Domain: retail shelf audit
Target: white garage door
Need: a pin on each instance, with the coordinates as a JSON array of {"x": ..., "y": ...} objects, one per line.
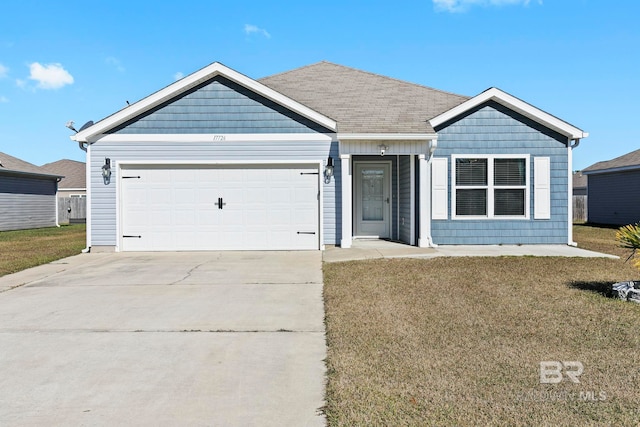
[{"x": 240, "y": 207}]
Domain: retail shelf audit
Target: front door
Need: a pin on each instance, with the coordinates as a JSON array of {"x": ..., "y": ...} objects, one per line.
[{"x": 372, "y": 199}]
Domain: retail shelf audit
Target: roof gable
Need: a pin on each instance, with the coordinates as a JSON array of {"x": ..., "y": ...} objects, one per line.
[
  {"x": 515, "y": 104},
  {"x": 74, "y": 173},
  {"x": 363, "y": 102},
  {"x": 187, "y": 84},
  {"x": 218, "y": 106}
]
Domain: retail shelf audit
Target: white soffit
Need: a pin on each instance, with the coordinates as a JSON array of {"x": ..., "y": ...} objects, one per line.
[
  {"x": 189, "y": 82},
  {"x": 515, "y": 104}
]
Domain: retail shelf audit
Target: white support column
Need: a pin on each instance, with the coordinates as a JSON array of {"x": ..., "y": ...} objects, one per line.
[
  {"x": 570, "y": 148},
  {"x": 347, "y": 201},
  {"x": 424, "y": 218}
]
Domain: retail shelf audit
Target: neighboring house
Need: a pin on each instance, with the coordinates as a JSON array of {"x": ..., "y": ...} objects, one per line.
[
  {"x": 72, "y": 190},
  {"x": 322, "y": 155},
  {"x": 27, "y": 195},
  {"x": 74, "y": 183},
  {"x": 579, "y": 184},
  {"x": 613, "y": 190}
]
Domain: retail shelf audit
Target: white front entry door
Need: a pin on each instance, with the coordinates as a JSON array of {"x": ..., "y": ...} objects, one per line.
[
  {"x": 236, "y": 207},
  {"x": 372, "y": 199}
]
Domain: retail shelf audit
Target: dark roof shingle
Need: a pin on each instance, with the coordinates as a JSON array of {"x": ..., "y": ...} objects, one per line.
[
  {"x": 74, "y": 173},
  {"x": 628, "y": 160},
  {"x": 363, "y": 102},
  {"x": 13, "y": 164}
]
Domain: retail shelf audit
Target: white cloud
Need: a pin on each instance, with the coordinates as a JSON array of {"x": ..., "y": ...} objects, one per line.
[
  {"x": 177, "y": 76},
  {"x": 4, "y": 71},
  {"x": 464, "y": 5},
  {"x": 114, "y": 62},
  {"x": 50, "y": 76},
  {"x": 252, "y": 29},
  {"x": 3, "y": 99}
]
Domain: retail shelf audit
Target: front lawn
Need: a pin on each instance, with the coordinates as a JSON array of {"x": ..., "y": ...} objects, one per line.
[
  {"x": 23, "y": 249},
  {"x": 459, "y": 341}
]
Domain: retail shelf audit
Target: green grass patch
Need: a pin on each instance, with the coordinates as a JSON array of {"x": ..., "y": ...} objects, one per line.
[
  {"x": 24, "y": 249},
  {"x": 458, "y": 341}
]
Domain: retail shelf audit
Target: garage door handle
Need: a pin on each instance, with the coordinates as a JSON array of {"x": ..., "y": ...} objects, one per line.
[
  {"x": 220, "y": 203},
  {"x": 306, "y": 232},
  {"x": 131, "y": 236}
]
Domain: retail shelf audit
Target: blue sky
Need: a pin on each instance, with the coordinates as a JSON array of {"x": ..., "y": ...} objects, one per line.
[{"x": 79, "y": 60}]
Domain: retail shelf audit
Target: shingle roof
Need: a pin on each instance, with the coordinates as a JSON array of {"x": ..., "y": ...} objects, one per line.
[
  {"x": 630, "y": 160},
  {"x": 579, "y": 180},
  {"x": 74, "y": 173},
  {"x": 363, "y": 102},
  {"x": 13, "y": 164}
]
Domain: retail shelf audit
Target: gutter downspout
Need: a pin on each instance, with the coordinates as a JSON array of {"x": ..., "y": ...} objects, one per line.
[{"x": 570, "y": 148}]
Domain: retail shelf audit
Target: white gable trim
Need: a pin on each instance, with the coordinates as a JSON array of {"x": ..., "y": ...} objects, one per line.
[
  {"x": 388, "y": 136},
  {"x": 515, "y": 104},
  {"x": 190, "y": 82}
]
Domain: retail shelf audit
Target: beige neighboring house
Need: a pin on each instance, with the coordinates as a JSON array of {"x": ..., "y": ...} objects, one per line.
[{"x": 74, "y": 183}]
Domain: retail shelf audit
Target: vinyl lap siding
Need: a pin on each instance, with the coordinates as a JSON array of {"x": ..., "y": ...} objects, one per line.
[
  {"x": 103, "y": 197},
  {"x": 27, "y": 203},
  {"x": 493, "y": 129},
  {"x": 613, "y": 198},
  {"x": 219, "y": 106}
]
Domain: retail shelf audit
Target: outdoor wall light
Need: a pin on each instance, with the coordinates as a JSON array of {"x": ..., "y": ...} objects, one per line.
[
  {"x": 328, "y": 170},
  {"x": 383, "y": 149},
  {"x": 106, "y": 171}
]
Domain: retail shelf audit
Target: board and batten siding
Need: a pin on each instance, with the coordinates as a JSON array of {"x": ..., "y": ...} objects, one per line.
[
  {"x": 492, "y": 129},
  {"x": 103, "y": 197},
  {"x": 613, "y": 198},
  {"x": 404, "y": 199},
  {"x": 27, "y": 203},
  {"x": 218, "y": 106}
]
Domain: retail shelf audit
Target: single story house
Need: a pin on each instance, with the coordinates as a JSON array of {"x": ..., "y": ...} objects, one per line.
[
  {"x": 72, "y": 190},
  {"x": 27, "y": 195},
  {"x": 579, "y": 184},
  {"x": 322, "y": 155},
  {"x": 74, "y": 183},
  {"x": 612, "y": 189}
]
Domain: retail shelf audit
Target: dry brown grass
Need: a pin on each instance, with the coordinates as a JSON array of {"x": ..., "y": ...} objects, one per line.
[
  {"x": 27, "y": 248},
  {"x": 458, "y": 341}
]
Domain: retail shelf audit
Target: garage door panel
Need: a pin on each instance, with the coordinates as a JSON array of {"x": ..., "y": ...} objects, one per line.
[{"x": 176, "y": 208}]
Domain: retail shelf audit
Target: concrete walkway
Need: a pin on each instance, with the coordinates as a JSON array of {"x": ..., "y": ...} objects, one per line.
[
  {"x": 372, "y": 249},
  {"x": 218, "y": 338}
]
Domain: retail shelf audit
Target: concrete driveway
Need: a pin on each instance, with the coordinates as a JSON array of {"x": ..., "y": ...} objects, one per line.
[{"x": 222, "y": 338}]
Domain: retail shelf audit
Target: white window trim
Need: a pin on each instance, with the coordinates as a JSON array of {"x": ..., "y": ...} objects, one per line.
[{"x": 490, "y": 187}]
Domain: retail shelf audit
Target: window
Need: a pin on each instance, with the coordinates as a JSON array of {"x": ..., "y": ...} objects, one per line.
[{"x": 491, "y": 186}]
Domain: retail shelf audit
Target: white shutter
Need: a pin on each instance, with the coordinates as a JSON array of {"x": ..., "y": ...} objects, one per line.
[
  {"x": 542, "y": 188},
  {"x": 439, "y": 188}
]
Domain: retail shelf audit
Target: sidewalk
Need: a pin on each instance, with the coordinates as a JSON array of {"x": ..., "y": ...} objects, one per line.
[{"x": 372, "y": 249}]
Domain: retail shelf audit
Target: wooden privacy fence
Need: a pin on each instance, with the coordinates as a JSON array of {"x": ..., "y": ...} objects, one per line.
[
  {"x": 72, "y": 210},
  {"x": 580, "y": 209}
]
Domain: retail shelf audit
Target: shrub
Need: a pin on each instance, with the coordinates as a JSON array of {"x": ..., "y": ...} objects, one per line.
[{"x": 629, "y": 237}]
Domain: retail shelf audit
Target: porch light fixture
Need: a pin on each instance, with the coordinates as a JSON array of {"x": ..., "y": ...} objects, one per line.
[
  {"x": 328, "y": 170},
  {"x": 383, "y": 149},
  {"x": 106, "y": 171}
]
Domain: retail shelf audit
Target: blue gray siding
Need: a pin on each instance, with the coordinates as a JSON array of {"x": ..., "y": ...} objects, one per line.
[
  {"x": 613, "y": 198},
  {"x": 404, "y": 191},
  {"x": 494, "y": 129},
  {"x": 27, "y": 203},
  {"x": 219, "y": 106},
  {"x": 103, "y": 197}
]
